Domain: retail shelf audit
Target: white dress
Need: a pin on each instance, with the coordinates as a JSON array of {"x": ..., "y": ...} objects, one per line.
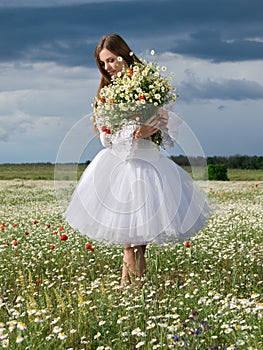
[{"x": 133, "y": 194}]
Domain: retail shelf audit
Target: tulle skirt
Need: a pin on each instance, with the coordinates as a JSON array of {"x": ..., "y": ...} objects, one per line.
[{"x": 135, "y": 200}]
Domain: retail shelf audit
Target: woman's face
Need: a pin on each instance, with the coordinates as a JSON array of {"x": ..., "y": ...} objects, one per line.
[{"x": 110, "y": 62}]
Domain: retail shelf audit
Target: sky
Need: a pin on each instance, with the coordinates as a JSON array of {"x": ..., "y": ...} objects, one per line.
[{"x": 48, "y": 76}]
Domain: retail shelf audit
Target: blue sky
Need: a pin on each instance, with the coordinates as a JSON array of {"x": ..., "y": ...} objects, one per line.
[{"x": 48, "y": 76}]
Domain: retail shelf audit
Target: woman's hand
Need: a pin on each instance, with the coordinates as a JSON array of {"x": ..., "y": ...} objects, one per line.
[
  {"x": 163, "y": 119},
  {"x": 152, "y": 125},
  {"x": 147, "y": 129}
]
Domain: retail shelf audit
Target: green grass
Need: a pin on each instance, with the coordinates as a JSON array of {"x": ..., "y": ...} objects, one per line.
[
  {"x": 38, "y": 171},
  {"x": 245, "y": 175},
  {"x": 208, "y": 296},
  {"x": 45, "y": 171}
]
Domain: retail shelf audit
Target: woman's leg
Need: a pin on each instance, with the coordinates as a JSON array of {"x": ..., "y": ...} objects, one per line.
[{"x": 134, "y": 264}]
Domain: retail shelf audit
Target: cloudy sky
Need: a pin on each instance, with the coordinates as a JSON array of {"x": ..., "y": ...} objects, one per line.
[{"x": 48, "y": 76}]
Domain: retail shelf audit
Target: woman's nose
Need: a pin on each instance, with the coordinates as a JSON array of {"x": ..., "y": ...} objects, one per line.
[{"x": 106, "y": 66}]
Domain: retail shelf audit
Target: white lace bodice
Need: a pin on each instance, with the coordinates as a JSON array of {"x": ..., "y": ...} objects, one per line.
[{"x": 124, "y": 137}]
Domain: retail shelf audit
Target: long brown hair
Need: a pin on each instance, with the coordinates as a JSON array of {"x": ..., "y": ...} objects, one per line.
[{"x": 117, "y": 45}]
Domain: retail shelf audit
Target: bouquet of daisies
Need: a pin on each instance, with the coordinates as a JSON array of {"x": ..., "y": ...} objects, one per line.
[{"x": 132, "y": 97}]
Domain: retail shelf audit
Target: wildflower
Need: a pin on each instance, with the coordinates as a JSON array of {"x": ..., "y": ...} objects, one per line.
[
  {"x": 152, "y": 52},
  {"x": 62, "y": 336},
  {"x": 57, "y": 329},
  {"x": 120, "y": 59},
  {"x": 228, "y": 330},
  {"x": 21, "y": 325},
  {"x": 131, "y": 53},
  {"x": 187, "y": 244},
  {"x": 26, "y": 233},
  {"x": 15, "y": 243},
  {"x": 89, "y": 247},
  {"x": 5, "y": 343},
  {"x": 255, "y": 295},
  {"x": 19, "y": 339},
  {"x": 136, "y": 331},
  {"x": 105, "y": 129},
  {"x": 141, "y": 343},
  {"x": 96, "y": 336},
  {"x": 55, "y": 320},
  {"x": 52, "y": 247},
  {"x": 35, "y": 222},
  {"x": 64, "y": 237},
  {"x": 240, "y": 342}
]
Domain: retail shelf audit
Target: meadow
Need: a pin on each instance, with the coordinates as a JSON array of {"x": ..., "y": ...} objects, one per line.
[
  {"x": 60, "y": 291},
  {"x": 45, "y": 171}
]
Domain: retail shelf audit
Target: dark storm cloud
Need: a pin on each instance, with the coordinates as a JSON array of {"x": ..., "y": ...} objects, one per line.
[
  {"x": 227, "y": 89},
  {"x": 210, "y": 44},
  {"x": 215, "y": 30}
]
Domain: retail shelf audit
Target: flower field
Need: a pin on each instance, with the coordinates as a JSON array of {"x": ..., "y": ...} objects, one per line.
[{"x": 60, "y": 291}]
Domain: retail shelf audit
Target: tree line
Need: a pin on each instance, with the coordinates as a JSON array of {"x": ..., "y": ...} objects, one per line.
[{"x": 231, "y": 162}]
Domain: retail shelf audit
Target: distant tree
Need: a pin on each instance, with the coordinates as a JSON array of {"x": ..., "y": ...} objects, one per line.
[{"x": 217, "y": 172}]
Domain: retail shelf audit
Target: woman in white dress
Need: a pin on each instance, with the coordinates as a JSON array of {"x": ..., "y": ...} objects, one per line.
[{"x": 131, "y": 194}]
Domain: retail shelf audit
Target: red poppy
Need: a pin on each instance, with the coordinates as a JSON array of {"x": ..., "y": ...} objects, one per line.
[
  {"x": 15, "y": 243},
  {"x": 14, "y": 225},
  {"x": 35, "y": 222},
  {"x": 38, "y": 280},
  {"x": 64, "y": 237},
  {"x": 103, "y": 100},
  {"x": 6, "y": 243},
  {"x": 105, "y": 129},
  {"x": 52, "y": 246},
  {"x": 55, "y": 232},
  {"x": 2, "y": 228},
  {"x": 130, "y": 72},
  {"x": 142, "y": 98},
  {"x": 26, "y": 233},
  {"x": 61, "y": 228},
  {"x": 89, "y": 247},
  {"x": 187, "y": 244},
  {"x": 48, "y": 225}
]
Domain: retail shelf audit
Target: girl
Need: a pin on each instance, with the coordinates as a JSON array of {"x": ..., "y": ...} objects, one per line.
[{"x": 131, "y": 194}]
